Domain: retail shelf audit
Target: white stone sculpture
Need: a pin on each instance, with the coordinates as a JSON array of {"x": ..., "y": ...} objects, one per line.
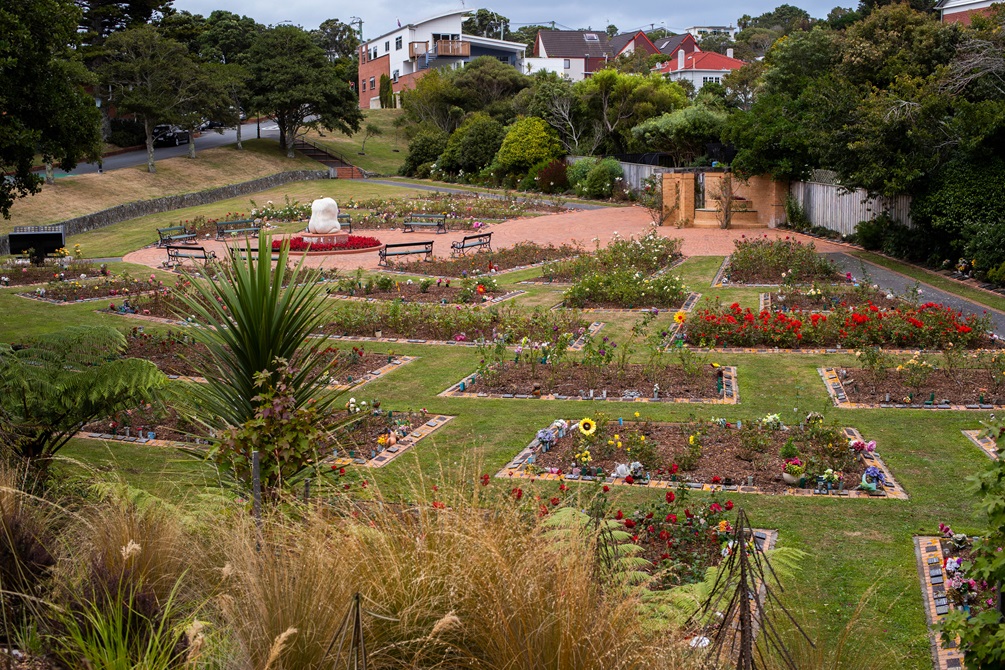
[{"x": 324, "y": 217}]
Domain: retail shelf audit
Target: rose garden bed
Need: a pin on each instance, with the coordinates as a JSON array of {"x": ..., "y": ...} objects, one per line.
[
  {"x": 520, "y": 256},
  {"x": 80, "y": 290},
  {"x": 574, "y": 380},
  {"x": 22, "y": 273},
  {"x": 750, "y": 457},
  {"x": 427, "y": 290},
  {"x": 828, "y": 297},
  {"x": 764, "y": 261}
]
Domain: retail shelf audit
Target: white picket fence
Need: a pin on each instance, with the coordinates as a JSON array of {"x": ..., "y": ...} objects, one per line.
[{"x": 832, "y": 207}]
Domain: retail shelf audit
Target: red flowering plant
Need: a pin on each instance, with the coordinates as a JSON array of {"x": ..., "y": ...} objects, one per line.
[
  {"x": 928, "y": 326},
  {"x": 680, "y": 536},
  {"x": 354, "y": 242}
]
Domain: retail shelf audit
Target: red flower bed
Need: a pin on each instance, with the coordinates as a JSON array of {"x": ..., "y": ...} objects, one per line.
[
  {"x": 928, "y": 326},
  {"x": 354, "y": 242}
]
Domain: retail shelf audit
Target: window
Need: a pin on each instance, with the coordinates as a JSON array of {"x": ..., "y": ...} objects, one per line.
[
  {"x": 710, "y": 80},
  {"x": 373, "y": 83},
  {"x": 397, "y": 43},
  {"x": 394, "y": 76},
  {"x": 363, "y": 85},
  {"x": 387, "y": 47},
  {"x": 373, "y": 55},
  {"x": 567, "y": 63},
  {"x": 591, "y": 37}
]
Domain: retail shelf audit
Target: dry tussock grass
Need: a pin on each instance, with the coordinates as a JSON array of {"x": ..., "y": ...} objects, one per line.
[{"x": 83, "y": 194}]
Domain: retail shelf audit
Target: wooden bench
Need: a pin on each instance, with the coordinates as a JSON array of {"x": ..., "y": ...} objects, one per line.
[
  {"x": 174, "y": 234},
  {"x": 177, "y": 254},
  {"x": 406, "y": 249},
  {"x": 242, "y": 253},
  {"x": 232, "y": 228},
  {"x": 413, "y": 221},
  {"x": 345, "y": 220},
  {"x": 471, "y": 242}
]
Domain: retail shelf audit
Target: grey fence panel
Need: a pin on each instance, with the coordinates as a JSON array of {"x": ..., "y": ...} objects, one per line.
[
  {"x": 635, "y": 173},
  {"x": 832, "y": 207}
]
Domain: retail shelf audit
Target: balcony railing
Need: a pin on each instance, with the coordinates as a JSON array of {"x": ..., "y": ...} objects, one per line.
[
  {"x": 417, "y": 49},
  {"x": 457, "y": 48}
]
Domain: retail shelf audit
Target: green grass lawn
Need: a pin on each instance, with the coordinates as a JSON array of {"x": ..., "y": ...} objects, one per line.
[
  {"x": 852, "y": 545},
  {"x": 385, "y": 152}
]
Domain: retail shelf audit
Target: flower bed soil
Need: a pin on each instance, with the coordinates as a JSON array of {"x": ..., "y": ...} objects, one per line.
[
  {"x": 764, "y": 261},
  {"x": 24, "y": 275},
  {"x": 723, "y": 455},
  {"x": 410, "y": 292},
  {"x": 519, "y": 255},
  {"x": 656, "y": 304},
  {"x": 832, "y": 298},
  {"x": 107, "y": 287},
  {"x": 569, "y": 378},
  {"x": 963, "y": 387}
]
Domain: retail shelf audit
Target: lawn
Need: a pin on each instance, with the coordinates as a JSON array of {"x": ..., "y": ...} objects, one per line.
[
  {"x": 385, "y": 152},
  {"x": 853, "y": 545},
  {"x": 83, "y": 194}
]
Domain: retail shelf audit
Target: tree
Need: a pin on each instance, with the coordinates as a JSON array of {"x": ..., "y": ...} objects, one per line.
[
  {"x": 683, "y": 133},
  {"x": 486, "y": 81},
  {"x": 371, "y": 130},
  {"x": 100, "y": 19},
  {"x": 386, "y": 92},
  {"x": 611, "y": 30},
  {"x": 150, "y": 76},
  {"x": 555, "y": 100},
  {"x": 840, "y": 18},
  {"x": 253, "y": 324},
  {"x": 339, "y": 40},
  {"x": 742, "y": 85},
  {"x": 183, "y": 27},
  {"x": 226, "y": 40},
  {"x": 526, "y": 34},
  {"x": 528, "y": 141},
  {"x": 486, "y": 24},
  {"x": 65, "y": 379},
  {"x": 293, "y": 82},
  {"x": 434, "y": 101},
  {"x": 473, "y": 145},
  {"x": 44, "y": 107},
  {"x": 717, "y": 43},
  {"x": 619, "y": 101},
  {"x": 214, "y": 88}
]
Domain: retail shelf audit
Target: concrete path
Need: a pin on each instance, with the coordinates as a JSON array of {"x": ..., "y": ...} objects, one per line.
[{"x": 901, "y": 285}]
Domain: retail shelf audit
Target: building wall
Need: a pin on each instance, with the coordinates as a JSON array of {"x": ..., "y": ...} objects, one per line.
[
  {"x": 765, "y": 196},
  {"x": 964, "y": 17},
  {"x": 371, "y": 68}
]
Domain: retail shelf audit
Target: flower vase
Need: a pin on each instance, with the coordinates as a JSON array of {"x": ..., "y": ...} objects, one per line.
[
  {"x": 378, "y": 333},
  {"x": 392, "y": 440},
  {"x": 791, "y": 480}
]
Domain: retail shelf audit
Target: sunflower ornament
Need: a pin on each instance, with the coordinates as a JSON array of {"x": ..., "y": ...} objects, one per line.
[{"x": 587, "y": 427}]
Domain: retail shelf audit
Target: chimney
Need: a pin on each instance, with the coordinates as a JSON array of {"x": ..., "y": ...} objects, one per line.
[
  {"x": 729, "y": 52},
  {"x": 680, "y": 59}
]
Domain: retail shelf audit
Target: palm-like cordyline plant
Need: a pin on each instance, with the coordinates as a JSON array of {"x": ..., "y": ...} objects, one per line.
[{"x": 250, "y": 323}]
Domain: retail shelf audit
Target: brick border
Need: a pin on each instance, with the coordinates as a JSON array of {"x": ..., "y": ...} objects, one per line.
[
  {"x": 984, "y": 443},
  {"x": 838, "y": 395},
  {"x": 730, "y": 391},
  {"x": 929, "y": 560},
  {"x": 592, "y": 329},
  {"x": 517, "y": 268},
  {"x": 385, "y": 455},
  {"x": 515, "y": 469}
]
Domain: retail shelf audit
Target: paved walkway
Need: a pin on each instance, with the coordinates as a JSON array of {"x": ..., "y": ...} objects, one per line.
[{"x": 587, "y": 227}]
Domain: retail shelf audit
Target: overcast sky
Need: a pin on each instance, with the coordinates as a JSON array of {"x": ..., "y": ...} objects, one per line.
[{"x": 380, "y": 16}]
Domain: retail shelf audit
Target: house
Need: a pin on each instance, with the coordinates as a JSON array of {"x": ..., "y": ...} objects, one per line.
[
  {"x": 671, "y": 45},
  {"x": 626, "y": 44},
  {"x": 699, "y": 67},
  {"x": 704, "y": 31},
  {"x": 960, "y": 11},
  {"x": 408, "y": 52},
  {"x": 574, "y": 54}
]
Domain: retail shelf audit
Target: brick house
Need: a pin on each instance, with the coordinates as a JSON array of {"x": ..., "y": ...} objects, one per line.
[
  {"x": 960, "y": 11},
  {"x": 408, "y": 52}
]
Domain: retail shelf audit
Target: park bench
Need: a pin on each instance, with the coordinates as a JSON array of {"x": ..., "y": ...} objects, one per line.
[
  {"x": 233, "y": 228},
  {"x": 345, "y": 220},
  {"x": 406, "y": 249},
  {"x": 241, "y": 253},
  {"x": 36, "y": 241},
  {"x": 413, "y": 221},
  {"x": 471, "y": 242},
  {"x": 176, "y": 255},
  {"x": 174, "y": 234}
]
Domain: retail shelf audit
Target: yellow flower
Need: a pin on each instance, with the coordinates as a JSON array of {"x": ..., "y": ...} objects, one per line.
[
  {"x": 617, "y": 437},
  {"x": 680, "y": 316},
  {"x": 637, "y": 415},
  {"x": 619, "y": 445},
  {"x": 587, "y": 427},
  {"x": 610, "y": 442},
  {"x": 723, "y": 526},
  {"x": 642, "y": 438}
]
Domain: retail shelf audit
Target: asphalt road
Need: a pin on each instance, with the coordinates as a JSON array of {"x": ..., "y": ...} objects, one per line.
[{"x": 208, "y": 140}]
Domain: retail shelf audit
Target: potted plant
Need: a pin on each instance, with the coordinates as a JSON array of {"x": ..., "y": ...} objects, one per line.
[{"x": 793, "y": 471}]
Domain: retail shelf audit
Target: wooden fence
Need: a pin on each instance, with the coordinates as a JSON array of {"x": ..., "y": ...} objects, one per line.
[{"x": 830, "y": 206}]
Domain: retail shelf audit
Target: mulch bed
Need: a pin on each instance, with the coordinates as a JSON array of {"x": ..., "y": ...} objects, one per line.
[
  {"x": 18, "y": 274},
  {"x": 964, "y": 387},
  {"x": 358, "y": 439},
  {"x": 165, "y": 422},
  {"x": 519, "y": 255},
  {"x": 839, "y": 296},
  {"x": 113, "y": 289},
  {"x": 723, "y": 455},
  {"x": 569, "y": 378},
  {"x": 411, "y": 292},
  {"x": 769, "y": 278}
]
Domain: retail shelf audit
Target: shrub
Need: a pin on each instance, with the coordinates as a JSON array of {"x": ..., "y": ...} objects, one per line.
[
  {"x": 425, "y": 147},
  {"x": 473, "y": 145},
  {"x": 765, "y": 260},
  {"x": 602, "y": 180},
  {"x": 795, "y": 216},
  {"x": 870, "y": 234},
  {"x": 528, "y": 141},
  {"x": 126, "y": 133},
  {"x": 577, "y": 171},
  {"x": 891, "y": 237},
  {"x": 553, "y": 177},
  {"x": 987, "y": 251}
]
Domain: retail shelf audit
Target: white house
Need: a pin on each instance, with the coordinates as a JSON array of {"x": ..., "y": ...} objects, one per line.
[
  {"x": 700, "y": 67},
  {"x": 704, "y": 31}
]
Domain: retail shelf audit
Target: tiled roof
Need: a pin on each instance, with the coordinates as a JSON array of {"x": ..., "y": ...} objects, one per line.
[
  {"x": 668, "y": 45},
  {"x": 573, "y": 43},
  {"x": 703, "y": 60}
]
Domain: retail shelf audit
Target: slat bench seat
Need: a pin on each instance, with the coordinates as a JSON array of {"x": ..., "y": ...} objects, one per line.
[
  {"x": 345, "y": 220},
  {"x": 232, "y": 228},
  {"x": 241, "y": 253},
  {"x": 413, "y": 221},
  {"x": 406, "y": 249},
  {"x": 177, "y": 254},
  {"x": 481, "y": 240},
  {"x": 174, "y": 234}
]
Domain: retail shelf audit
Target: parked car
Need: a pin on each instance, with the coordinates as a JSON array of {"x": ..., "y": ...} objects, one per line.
[
  {"x": 165, "y": 136},
  {"x": 212, "y": 125}
]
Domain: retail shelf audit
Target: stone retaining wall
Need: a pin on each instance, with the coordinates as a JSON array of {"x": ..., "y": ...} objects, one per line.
[{"x": 131, "y": 210}]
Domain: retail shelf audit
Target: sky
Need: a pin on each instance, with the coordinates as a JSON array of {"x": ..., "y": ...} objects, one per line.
[{"x": 380, "y": 16}]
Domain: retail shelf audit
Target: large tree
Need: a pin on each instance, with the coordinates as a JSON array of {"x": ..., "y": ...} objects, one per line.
[
  {"x": 45, "y": 110},
  {"x": 294, "y": 82},
  {"x": 150, "y": 76},
  {"x": 100, "y": 19}
]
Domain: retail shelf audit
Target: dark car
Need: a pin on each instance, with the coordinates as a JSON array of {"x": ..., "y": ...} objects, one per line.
[
  {"x": 212, "y": 125},
  {"x": 170, "y": 136}
]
